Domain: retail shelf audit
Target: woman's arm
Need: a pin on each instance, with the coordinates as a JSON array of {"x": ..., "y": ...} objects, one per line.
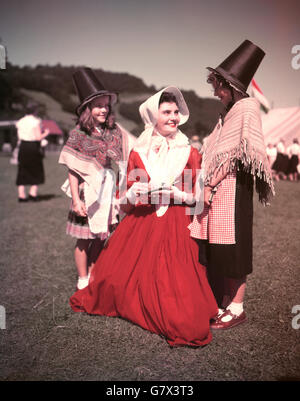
[
  {"x": 41, "y": 133},
  {"x": 134, "y": 188},
  {"x": 44, "y": 133},
  {"x": 78, "y": 206},
  {"x": 217, "y": 177},
  {"x": 220, "y": 174}
]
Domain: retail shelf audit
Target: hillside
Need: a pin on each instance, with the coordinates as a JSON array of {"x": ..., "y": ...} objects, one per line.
[{"x": 52, "y": 88}]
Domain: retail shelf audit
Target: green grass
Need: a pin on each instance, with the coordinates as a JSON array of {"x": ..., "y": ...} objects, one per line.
[{"x": 45, "y": 340}]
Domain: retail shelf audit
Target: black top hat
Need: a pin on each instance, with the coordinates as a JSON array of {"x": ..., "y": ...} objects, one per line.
[
  {"x": 88, "y": 87},
  {"x": 240, "y": 66}
]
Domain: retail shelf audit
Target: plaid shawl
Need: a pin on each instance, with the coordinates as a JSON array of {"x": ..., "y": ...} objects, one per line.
[{"x": 240, "y": 138}]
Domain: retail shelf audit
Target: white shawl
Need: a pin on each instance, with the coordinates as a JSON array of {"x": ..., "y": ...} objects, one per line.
[{"x": 99, "y": 185}]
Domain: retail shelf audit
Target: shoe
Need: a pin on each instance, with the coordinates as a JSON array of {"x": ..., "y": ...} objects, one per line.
[
  {"x": 33, "y": 198},
  {"x": 220, "y": 324},
  {"x": 220, "y": 312},
  {"x": 22, "y": 200}
]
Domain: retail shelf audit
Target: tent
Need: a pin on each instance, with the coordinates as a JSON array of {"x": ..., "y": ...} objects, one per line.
[
  {"x": 281, "y": 123},
  {"x": 52, "y": 127}
]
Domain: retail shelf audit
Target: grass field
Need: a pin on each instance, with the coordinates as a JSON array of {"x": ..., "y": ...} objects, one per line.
[{"x": 45, "y": 340}]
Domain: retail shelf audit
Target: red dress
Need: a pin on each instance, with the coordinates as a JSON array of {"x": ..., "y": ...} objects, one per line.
[{"x": 150, "y": 274}]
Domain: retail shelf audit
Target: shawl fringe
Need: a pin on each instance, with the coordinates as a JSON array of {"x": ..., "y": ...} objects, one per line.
[{"x": 252, "y": 162}]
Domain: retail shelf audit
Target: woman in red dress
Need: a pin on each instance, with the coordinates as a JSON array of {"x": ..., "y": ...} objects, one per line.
[{"x": 149, "y": 273}]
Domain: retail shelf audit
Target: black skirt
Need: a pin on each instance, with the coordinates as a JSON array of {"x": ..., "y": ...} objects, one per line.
[
  {"x": 293, "y": 163},
  {"x": 30, "y": 167},
  {"x": 281, "y": 163},
  {"x": 234, "y": 261}
]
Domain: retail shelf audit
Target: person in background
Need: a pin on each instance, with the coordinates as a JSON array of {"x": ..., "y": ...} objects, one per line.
[
  {"x": 195, "y": 142},
  {"x": 30, "y": 155},
  {"x": 294, "y": 153},
  {"x": 271, "y": 153},
  {"x": 234, "y": 154},
  {"x": 281, "y": 164},
  {"x": 92, "y": 146}
]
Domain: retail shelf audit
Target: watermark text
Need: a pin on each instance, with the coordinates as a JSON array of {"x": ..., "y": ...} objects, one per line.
[
  {"x": 296, "y": 319},
  {"x": 296, "y": 59},
  {"x": 2, "y": 57},
  {"x": 2, "y": 318}
]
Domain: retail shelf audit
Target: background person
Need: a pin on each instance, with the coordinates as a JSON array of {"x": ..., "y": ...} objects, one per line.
[
  {"x": 195, "y": 142},
  {"x": 294, "y": 153},
  {"x": 281, "y": 163},
  {"x": 271, "y": 153},
  {"x": 30, "y": 155}
]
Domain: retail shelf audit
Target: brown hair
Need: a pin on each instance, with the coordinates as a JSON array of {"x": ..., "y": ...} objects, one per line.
[
  {"x": 86, "y": 121},
  {"x": 218, "y": 80}
]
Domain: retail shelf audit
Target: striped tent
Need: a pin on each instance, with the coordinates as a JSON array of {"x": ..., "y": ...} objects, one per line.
[{"x": 281, "y": 123}]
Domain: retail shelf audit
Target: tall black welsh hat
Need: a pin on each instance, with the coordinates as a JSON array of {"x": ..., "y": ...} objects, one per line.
[
  {"x": 240, "y": 66},
  {"x": 88, "y": 87}
]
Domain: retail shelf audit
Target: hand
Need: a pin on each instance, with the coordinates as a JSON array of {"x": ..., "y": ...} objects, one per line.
[
  {"x": 207, "y": 194},
  {"x": 136, "y": 190},
  {"x": 174, "y": 193},
  {"x": 79, "y": 208},
  {"x": 44, "y": 134}
]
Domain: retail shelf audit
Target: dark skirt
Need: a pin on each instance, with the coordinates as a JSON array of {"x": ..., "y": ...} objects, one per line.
[
  {"x": 293, "y": 163},
  {"x": 234, "y": 261},
  {"x": 30, "y": 167},
  {"x": 281, "y": 163}
]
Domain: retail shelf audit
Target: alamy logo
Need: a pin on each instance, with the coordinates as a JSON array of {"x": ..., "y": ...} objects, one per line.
[
  {"x": 296, "y": 59},
  {"x": 296, "y": 319},
  {"x": 2, "y": 57},
  {"x": 2, "y": 318}
]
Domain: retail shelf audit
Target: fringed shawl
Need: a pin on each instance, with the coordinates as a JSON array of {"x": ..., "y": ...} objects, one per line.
[
  {"x": 87, "y": 157},
  {"x": 240, "y": 137}
]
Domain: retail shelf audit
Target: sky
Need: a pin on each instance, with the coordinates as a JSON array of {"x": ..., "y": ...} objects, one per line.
[{"x": 163, "y": 42}]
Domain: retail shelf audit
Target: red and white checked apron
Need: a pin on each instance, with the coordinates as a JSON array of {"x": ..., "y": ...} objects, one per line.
[{"x": 217, "y": 222}]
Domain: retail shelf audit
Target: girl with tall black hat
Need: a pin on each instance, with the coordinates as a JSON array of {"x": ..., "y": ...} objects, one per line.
[
  {"x": 234, "y": 158},
  {"x": 149, "y": 273},
  {"x": 92, "y": 146}
]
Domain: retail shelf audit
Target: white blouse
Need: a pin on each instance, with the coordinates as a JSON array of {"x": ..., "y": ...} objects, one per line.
[
  {"x": 29, "y": 128},
  {"x": 294, "y": 149},
  {"x": 280, "y": 148},
  {"x": 272, "y": 153}
]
